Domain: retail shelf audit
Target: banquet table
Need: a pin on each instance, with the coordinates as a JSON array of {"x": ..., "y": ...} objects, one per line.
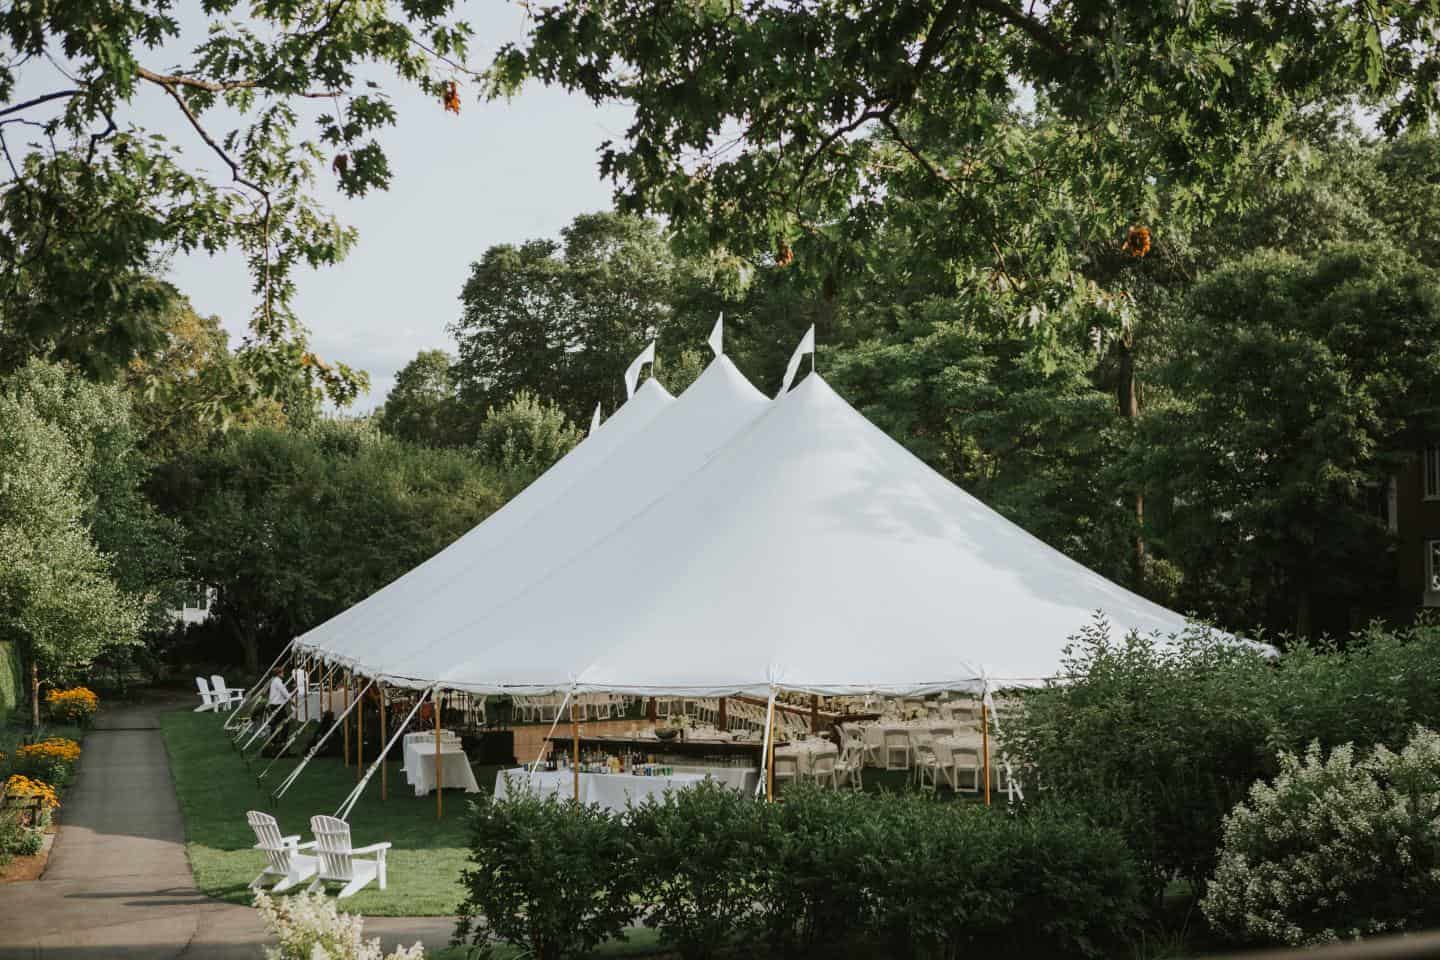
[
  {"x": 945, "y": 747},
  {"x": 409, "y": 757},
  {"x": 805, "y": 751},
  {"x": 454, "y": 767},
  {"x": 612, "y": 791}
]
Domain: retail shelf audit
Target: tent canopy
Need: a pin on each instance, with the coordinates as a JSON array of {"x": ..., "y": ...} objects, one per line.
[{"x": 735, "y": 544}]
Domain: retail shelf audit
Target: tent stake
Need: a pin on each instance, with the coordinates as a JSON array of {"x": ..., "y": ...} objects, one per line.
[
  {"x": 439, "y": 785},
  {"x": 383, "y": 783},
  {"x": 985, "y": 742}
]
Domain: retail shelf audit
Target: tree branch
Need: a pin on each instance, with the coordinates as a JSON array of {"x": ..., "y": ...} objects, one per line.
[
  {"x": 1034, "y": 29},
  {"x": 57, "y": 95},
  {"x": 177, "y": 80},
  {"x": 170, "y": 87}
]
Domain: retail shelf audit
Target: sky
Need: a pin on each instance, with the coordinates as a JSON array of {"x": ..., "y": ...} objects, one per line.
[{"x": 498, "y": 173}]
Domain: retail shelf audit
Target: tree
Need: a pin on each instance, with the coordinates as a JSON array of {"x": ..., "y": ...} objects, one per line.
[
  {"x": 759, "y": 123},
  {"x": 94, "y": 204},
  {"x": 291, "y": 526},
  {"x": 69, "y": 507},
  {"x": 423, "y": 407},
  {"x": 1297, "y": 386},
  {"x": 525, "y": 437},
  {"x": 564, "y": 320}
]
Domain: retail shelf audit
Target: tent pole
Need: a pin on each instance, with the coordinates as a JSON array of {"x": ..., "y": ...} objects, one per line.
[
  {"x": 770, "y": 751},
  {"x": 344, "y": 812},
  {"x": 383, "y": 783},
  {"x": 439, "y": 786},
  {"x": 314, "y": 749},
  {"x": 575, "y": 753},
  {"x": 360, "y": 740},
  {"x": 814, "y": 713},
  {"x": 985, "y": 742},
  {"x": 345, "y": 733}
]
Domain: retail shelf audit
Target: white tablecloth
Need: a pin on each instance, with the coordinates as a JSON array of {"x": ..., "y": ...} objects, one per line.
[
  {"x": 454, "y": 768},
  {"x": 805, "y": 751},
  {"x": 408, "y": 754},
  {"x": 312, "y": 706},
  {"x": 613, "y": 791},
  {"x": 736, "y": 778}
]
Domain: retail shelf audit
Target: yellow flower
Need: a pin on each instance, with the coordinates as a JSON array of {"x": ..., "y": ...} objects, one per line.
[
  {"x": 22, "y": 786},
  {"x": 54, "y": 748}
]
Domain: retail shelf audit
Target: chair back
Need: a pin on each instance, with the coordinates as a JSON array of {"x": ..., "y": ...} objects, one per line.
[
  {"x": 205, "y": 693},
  {"x": 267, "y": 837},
  {"x": 787, "y": 767},
  {"x": 897, "y": 740},
  {"x": 823, "y": 765},
  {"x": 937, "y": 732},
  {"x": 332, "y": 843},
  {"x": 217, "y": 683}
]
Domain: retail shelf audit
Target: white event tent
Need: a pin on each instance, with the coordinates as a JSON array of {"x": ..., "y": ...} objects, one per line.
[{"x": 726, "y": 543}]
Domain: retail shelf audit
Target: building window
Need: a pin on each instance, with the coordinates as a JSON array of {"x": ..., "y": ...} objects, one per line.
[{"x": 1432, "y": 472}]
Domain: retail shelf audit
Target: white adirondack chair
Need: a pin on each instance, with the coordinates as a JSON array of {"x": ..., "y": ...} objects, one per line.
[
  {"x": 283, "y": 858},
  {"x": 226, "y": 697},
  {"x": 342, "y": 863},
  {"x": 207, "y": 699}
]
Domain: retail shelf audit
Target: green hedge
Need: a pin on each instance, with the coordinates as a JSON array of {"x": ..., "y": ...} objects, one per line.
[
  {"x": 824, "y": 874},
  {"x": 12, "y": 679}
]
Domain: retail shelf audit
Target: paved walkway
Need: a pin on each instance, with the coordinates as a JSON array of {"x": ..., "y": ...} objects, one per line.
[{"x": 119, "y": 885}]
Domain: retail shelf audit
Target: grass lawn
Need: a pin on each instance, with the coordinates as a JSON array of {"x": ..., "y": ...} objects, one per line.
[{"x": 216, "y": 788}]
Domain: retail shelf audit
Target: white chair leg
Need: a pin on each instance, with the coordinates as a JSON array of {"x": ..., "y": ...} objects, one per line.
[
  {"x": 316, "y": 884},
  {"x": 381, "y": 863},
  {"x": 353, "y": 887}
]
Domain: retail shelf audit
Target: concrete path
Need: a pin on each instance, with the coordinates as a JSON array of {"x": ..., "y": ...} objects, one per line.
[{"x": 119, "y": 885}]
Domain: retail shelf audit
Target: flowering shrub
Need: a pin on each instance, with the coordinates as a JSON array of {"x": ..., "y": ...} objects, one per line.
[
  {"x": 310, "y": 928},
  {"x": 76, "y": 705},
  {"x": 25, "y": 789},
  {"x": 51, "y": 760},
  {"x": 1335, "y": 847}
]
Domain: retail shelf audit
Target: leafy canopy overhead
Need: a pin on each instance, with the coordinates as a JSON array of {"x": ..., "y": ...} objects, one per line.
[
  {"x": 91, "y": 205},
  {"x": 758, "y": 122}
]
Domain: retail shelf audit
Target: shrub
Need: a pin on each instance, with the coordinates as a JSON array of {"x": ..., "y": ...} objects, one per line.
[
  {"x": 526, "y": 435},
  {"x": 51, "y": 760},
  {"x": 828, "y": 853},
  {"x": 548, "y": 875},
  {"x": 700, "y": 853},
  {"x": 309, "y": 927},
  {"x": 1157, "y": 741},
  {"x": 75, "y": 706},
  {"x": 22, "y": 787},
  {"x": 1334, "y": 848}
]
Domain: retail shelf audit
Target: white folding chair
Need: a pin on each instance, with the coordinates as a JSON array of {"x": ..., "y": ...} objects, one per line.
[
  {"x": 965, "y": 760},
  {"x": 822, "y": 770},
  {"x": 928, "y": 768},
  {"x": 283, "y": 858},
  {"x": 850, "y": 768},
  {"x": 226, "y": 697},
  {"x": 787, "y": 770},
  {"x": 207, "y": 699},
  {"x": 342, "y": 863},
  {"x": 896, "y": 752}
]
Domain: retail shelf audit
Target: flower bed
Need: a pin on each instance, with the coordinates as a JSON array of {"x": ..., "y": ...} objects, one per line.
[{"x": 76, "y": 705}]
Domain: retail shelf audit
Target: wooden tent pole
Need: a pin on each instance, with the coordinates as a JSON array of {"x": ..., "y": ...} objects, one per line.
[
  {"x": 345, "y": 746},
  {"x": 383, "y": 739},
  {"x": 575, "y": 752},
  {"x": 770, "y": 753},
  {"x": 814, "y": 713},
  {"x": 439, "y": 785},
  {"x": 359, "y": 739},
  {"x": 985, "y": 745}
]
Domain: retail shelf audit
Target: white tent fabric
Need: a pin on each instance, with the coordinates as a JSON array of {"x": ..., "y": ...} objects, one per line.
[
  {"x": 385, "y": 608},
  {"x": 812, "y": 552},
  {"x": 443, "y": 629}
]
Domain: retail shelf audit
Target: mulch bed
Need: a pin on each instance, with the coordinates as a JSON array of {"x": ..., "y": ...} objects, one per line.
[{"x": 29, "y": 868}]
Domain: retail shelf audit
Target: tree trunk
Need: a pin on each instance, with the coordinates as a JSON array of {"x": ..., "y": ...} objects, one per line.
[
  {"x": 249, "y": 648},
  {"x": 34, "y": 695},
  {"x": 1129, "y": 400}
]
